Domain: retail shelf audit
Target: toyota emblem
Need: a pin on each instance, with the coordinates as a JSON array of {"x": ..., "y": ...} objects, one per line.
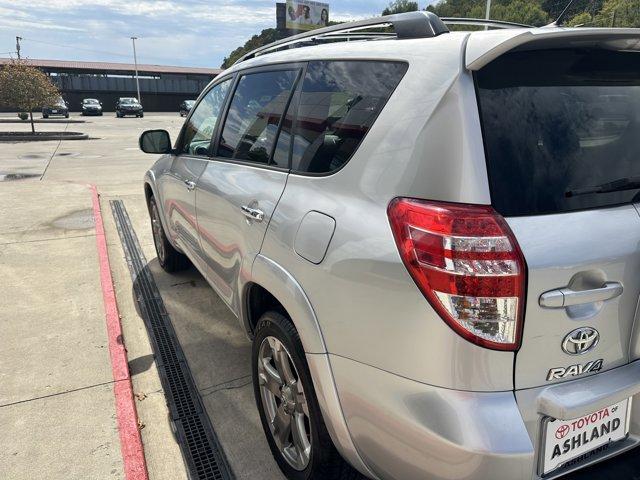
[
  {"x": 562, "y": 431},
  {"x": 580, "y": 341}
]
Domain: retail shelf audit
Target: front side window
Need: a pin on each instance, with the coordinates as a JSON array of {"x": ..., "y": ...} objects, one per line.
[
  {"x": 198, "y": 132},
  {"x": 561, "y": 129},
  {"x": 339, "y": 102},
  {"x": 254, "y": 115}
]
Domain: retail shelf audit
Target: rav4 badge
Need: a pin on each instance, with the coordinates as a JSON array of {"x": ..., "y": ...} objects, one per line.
[{"x": 575, "y": 370}]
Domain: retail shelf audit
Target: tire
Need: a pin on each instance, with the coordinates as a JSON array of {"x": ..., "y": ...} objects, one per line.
[
  {"x": 45, "y": 116},
  {"x": 169, "y": 258},
  {"x": 141, "y": 115},
  {"x": 276, "y": 333},
  {"x": 66, "y": 116}
]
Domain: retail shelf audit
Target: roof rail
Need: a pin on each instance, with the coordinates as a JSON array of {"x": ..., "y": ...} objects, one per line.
[
  {"x": 483, "y": 22},
  {"x": 420, "y": 24}
]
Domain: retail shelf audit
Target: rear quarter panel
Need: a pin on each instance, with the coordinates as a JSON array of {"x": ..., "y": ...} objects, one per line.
[{"x": 426, "y": 143}]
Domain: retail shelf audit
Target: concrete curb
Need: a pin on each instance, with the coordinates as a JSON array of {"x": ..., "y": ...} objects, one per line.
[
  {"x": 46, "y": 136},
  {"x": 41, "y": 120},
  {"x": 135, "y": 466}
]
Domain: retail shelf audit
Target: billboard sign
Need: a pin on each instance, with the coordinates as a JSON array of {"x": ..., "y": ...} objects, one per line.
[{"x": 307, "y": 14}]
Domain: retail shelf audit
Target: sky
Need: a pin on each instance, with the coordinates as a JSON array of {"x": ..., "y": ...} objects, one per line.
[{"x": 171, "y": 32}]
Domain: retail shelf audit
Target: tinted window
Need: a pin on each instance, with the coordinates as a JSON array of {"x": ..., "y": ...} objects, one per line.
[
  {"x": 338, "y": 105},
  {"x": 558, "y": 123},
  {"x": 199, "y": 129},
  {"x": 254, "y": 115}
]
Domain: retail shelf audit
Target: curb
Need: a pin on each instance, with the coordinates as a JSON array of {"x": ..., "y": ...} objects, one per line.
[
  {"x": 135, "y": 466},
  {"x": 41, "y": 138},
  {"x": 40, "y": 120}
]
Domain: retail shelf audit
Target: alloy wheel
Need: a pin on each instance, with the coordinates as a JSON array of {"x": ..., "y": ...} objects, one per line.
[{"x": 284, "y": 402}]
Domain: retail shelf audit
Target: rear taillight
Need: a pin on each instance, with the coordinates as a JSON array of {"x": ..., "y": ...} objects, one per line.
[{"x": 467, "y": 263}]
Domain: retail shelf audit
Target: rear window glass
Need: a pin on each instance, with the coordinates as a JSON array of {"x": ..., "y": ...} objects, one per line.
[
  {"x": 559, "y": 126},
  {"x": 339, "y": 102}
]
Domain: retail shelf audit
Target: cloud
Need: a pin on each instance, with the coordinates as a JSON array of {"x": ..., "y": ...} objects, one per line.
[{"x": 174, "y": 32}]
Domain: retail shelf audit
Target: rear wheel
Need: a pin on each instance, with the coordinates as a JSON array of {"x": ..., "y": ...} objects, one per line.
[
  {"x": 169, "y": 258},
  {"x": 288, "y": 406}
]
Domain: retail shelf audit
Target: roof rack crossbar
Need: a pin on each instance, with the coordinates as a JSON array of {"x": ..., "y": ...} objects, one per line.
[
  {"x": 420, "y": 24},
  {"x": 483, "y": 22}
]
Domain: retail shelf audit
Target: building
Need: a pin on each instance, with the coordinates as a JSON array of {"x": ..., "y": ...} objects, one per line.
[{"x": 162, "y": 88}]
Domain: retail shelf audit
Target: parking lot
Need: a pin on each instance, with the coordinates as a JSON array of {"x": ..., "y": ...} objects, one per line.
[{"x": 58, "y": 413}]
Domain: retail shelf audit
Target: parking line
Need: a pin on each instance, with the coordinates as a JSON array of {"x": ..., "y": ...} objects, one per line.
[{"x": 135, "y": 467}]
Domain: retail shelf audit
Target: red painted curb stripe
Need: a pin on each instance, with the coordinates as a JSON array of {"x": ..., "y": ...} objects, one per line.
[{"x": 135, "y": 466}]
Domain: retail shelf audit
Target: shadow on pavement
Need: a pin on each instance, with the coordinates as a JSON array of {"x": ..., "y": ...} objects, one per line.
[{"x": 218, "y": 355}]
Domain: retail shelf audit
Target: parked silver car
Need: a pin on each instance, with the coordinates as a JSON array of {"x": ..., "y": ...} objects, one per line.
[{"x": 433, "y": 240}]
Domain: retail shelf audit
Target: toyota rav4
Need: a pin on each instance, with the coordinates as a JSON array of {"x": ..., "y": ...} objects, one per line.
[{"x": 432, "y": 239}]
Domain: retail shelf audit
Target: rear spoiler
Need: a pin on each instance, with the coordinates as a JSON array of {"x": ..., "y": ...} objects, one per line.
[{"x": 486, "y": 47}]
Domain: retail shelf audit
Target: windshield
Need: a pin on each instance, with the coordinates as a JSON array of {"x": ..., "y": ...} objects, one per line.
[
  {"x": 90, "y": 101},
  {"x": 128, "y": 101},
  {"x": 559, "y": 121}
]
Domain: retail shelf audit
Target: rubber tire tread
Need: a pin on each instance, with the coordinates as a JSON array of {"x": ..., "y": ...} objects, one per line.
[{"x": 174, "y": 260}]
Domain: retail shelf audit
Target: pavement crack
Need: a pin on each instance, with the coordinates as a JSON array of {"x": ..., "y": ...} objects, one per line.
[
  {"x": 227, "y": 385},
  {"x": 88, "y": 387},
  {"x": 66, "y": 126},
  {"x": 48, "y": 239}
]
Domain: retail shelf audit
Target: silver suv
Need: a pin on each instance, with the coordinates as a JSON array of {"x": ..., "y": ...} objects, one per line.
[{"x": 430, "y": 238}]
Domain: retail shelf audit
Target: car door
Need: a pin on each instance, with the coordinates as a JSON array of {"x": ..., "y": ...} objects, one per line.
[
  {"x": 178, "y": 184},
  {"x": 242, "y": 183},
  {"x": 561, "y": 132}
]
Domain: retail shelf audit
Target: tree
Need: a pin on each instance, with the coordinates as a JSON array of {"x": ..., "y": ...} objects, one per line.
[
  {"x": 528, "y": 12},
  {"x": 618, "y": 13},
  {"x": 400, "y": 6},
  {"x": 555, "y": 7},
  {"x": 581, "y": 19},
  {"x": 26, "y": 88},
  {"x": 267, "y": 36}
]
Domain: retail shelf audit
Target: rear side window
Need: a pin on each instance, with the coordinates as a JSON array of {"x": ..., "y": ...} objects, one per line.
[
  {"x": 339, "y": 102},
  {"x": 254, "y": 115},
  {"x": 559, "y": 127}
]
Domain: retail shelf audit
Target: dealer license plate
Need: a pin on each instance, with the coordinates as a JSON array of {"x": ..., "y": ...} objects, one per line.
[{"x": 577, "y": 439}]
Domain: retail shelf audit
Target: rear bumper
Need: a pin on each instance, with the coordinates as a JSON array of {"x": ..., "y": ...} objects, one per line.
[
  {"x": 59, "y": 111},
  {"x": 130, "y": 112},
  {"x": 578, "y": 398},
  {"x": 407, "y": 430}
]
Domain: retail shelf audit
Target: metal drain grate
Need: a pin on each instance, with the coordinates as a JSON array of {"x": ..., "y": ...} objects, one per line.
[{"x": 200, "y": 447}]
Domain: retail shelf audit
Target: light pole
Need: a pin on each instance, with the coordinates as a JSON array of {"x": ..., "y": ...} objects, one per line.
[
  {"x": 135, "y": 61},
  {"x": 18, "y": 46},
  {"x": 487, "y": 14}
]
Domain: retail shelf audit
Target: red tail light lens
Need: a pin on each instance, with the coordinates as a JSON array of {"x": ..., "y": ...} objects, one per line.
[{"x": 467, "y": 263}]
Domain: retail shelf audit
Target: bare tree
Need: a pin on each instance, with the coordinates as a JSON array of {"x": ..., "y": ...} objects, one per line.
[{"x": 26, "y": 88}]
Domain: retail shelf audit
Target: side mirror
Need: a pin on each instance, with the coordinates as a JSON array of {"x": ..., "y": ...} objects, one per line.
[{"x": 155, "y": 141}]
